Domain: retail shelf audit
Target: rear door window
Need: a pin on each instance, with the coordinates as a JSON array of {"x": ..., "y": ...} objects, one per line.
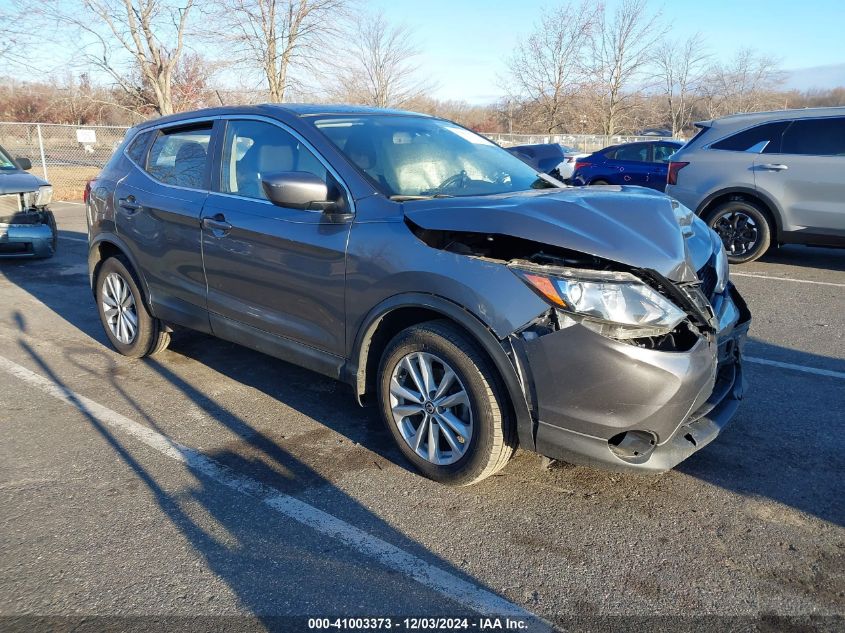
[
  {"x": 766, "y": 136},
  {"x": 815, "y": 137},
  {"x": 636, "y": 153},
  {"x": 662, "y": 152},
  {"x": 180, "y": 157}
]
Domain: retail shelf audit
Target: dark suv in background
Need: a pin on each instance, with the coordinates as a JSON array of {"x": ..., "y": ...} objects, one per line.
[
  {"x": 766, "y": 178},
  {"x": 478, "y": 304}
]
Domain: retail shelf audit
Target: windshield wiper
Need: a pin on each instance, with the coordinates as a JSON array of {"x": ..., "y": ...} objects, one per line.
[
  {"x": 551, "y": 181},
  {"x": 409, "y": 198}
]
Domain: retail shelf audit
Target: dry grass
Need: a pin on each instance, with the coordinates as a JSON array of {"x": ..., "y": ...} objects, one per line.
[{"x": 68, "y": 181}]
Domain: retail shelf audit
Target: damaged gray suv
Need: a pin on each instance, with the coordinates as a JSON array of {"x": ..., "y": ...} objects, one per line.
[{"x": 481, "y": 305}]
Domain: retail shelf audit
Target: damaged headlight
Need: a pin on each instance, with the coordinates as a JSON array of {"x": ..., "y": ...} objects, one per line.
[
  {"x": 614, "y": 304},
  {"x": 40, "y": 198}
]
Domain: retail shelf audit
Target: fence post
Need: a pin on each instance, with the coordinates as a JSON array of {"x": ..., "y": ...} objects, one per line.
[{"x": 41, "y": 149}]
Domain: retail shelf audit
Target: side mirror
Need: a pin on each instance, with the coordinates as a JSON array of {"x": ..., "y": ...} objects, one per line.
[
  {"x": 297, "y": 190},
  {"x": 24, "y": 163}
]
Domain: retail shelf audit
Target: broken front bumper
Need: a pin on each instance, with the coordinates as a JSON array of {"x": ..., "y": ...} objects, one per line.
[
  {"x": 588, "y": 391},
  {"x": 26, "y": 240}
]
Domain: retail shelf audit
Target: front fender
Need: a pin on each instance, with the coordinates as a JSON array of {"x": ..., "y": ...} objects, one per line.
[{"x": 500, "y": 352}]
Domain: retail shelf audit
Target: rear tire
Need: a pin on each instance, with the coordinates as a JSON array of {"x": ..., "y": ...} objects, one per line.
[
  {"x": 599, "y": 182},
  {"x": 469, "y": 422},
  {"x": 744, "y": 228},
  {"x": 128, "y": 324}
]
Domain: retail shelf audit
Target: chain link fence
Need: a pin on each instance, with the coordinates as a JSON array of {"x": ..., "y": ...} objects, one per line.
[
  {"x": 586, "y": 143},
  {"x": 68, "y": 156}
]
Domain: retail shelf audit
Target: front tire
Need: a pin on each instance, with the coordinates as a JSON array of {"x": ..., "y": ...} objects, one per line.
[
  {"x": 131, "y": 329},
  {"x": 744, "y": 229},
  {"x": 442, "y": 401}
]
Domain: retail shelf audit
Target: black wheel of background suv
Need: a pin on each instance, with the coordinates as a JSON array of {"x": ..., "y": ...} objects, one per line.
[
  {"x": 131, "y": 329},
  {"x": 599, "y": 182},
  {"x": 744, "y": 229},
  {"x": 443, "y": 402}
]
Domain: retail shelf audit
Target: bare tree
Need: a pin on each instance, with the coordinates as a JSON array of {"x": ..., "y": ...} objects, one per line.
[
  {"x": 679, "y": 70},
  {"x": 275, "y": 37},
  {"x": 548, "y": 68},
  {"x": 15, "y": 29},
  {"x": 381, "y": 69},
  {"x": 746, "y": 83},
  {"x": 138, "y": 43},
  {"x": 621, "y": 48}
]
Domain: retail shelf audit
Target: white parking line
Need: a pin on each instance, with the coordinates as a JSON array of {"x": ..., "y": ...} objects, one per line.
[
  {"x": 73, "y": 239},
  {"x": 798, "y": 281},
  {"x": 439, "y": 580},
  {"x": 809, "y": 370}
]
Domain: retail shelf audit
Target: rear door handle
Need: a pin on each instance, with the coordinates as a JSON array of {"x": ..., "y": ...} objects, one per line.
[
  {"x": 128, "y": 204},
  {"x": 216, "y": 224},
  {"x": 774, "y": 166}
]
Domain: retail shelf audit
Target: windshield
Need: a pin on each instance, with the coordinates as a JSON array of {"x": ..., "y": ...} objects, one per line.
[
  {"x": 6, "y": 162},
  {"x": 408, "y": 157}
]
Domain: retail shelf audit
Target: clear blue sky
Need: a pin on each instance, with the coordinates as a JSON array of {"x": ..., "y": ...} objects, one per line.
[{"x": 466, "y": 42}]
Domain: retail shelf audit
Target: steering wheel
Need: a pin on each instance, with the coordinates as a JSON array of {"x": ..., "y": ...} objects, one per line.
[{"x": 460, "y": 179}]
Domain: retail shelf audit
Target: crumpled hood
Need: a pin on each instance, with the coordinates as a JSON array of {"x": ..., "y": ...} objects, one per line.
[
  {"x": 629, "y": 225},
  {"x": 19, "y": 182}
]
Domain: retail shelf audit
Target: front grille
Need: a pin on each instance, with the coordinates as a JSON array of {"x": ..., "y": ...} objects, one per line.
[
  {"x": 22, "y": 218},
  {"x": 10, "y": 203},
  {"x": 700, "y": 303},
  {"x": 708, "y": 277}
]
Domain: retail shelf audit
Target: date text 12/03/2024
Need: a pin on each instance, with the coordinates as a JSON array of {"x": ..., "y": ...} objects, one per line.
[{"x": 419, "y": 624}]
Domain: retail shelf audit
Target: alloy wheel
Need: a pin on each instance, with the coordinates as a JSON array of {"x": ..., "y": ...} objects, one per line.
[
  {"x": 739, "y": 232},
  {"x": 431, "y": 408},
  {"x": 119, "y": 308}
]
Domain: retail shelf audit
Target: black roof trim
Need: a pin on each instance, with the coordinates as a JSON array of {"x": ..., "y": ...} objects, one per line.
[{"x": 291, "y": 109}]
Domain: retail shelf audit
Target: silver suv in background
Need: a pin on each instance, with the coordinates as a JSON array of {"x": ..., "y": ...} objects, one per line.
[{"x": 766, "y": 178}]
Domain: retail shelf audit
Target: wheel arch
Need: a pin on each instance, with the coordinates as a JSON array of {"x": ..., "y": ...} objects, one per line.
[
  {"x": 399, "y": 312},
  {"x": 105, "y": 246},
  {"x": 770, "y": 207}
]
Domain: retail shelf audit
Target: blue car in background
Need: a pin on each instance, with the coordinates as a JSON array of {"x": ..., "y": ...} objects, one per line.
[{"x": 645, "y": 164}]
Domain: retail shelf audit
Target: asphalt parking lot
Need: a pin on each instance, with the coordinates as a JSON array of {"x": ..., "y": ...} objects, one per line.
[{"x": 213, "y": 480}]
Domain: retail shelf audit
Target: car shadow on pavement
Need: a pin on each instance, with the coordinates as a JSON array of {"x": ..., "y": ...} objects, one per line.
[
  {"x": 774, "y": 448},
  {"x": 271, "y": 563},
  {"x": 805, "y": 257}
]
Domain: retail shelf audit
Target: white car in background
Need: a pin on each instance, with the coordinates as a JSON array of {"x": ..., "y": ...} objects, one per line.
[{"x": 558, "y": 161}]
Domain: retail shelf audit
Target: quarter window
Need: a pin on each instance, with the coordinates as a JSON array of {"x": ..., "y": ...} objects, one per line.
[
  {"x": 819, "y": 137},
  {"x": 137, "y": 149},
  {"x": 179, "y": 157},
  {"x": 253, "y": 149},
  {"x": 766, "y": 136}
]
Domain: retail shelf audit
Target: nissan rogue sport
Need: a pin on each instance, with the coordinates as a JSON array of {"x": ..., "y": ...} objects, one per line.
[{"x": 480, "y": 304}]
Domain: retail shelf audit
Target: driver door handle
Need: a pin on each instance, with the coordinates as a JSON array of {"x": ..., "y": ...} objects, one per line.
[{"x": 774, "y": 166}]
